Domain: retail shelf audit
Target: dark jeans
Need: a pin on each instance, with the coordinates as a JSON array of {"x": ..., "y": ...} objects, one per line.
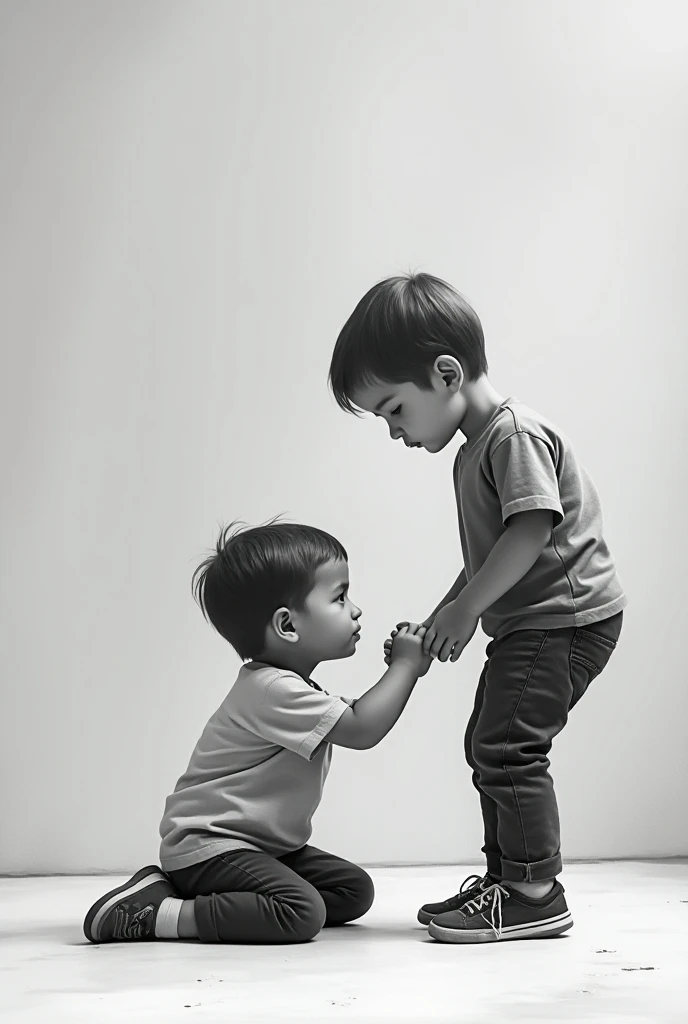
[
  {"x": 531, "y": 680},
  {"x": 248, "y": 897}
]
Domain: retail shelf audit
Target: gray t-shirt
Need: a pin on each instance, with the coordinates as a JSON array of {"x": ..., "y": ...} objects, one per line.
[
  {"x": 256, "y": 776},
  {"x": 519, "y": 462}
]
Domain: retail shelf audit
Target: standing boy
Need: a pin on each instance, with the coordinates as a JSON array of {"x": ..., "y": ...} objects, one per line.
[{"x": 537, "y": 575}]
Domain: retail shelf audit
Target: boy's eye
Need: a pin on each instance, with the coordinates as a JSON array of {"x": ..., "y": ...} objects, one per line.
[
  {"x": 395, "y": 412},
  {"x": 342, "y": 596}
]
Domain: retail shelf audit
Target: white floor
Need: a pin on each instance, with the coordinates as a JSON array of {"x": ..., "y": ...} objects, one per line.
[{"x": 626, "y": 960}]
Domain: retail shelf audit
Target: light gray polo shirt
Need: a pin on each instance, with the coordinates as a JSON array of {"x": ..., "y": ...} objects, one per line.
[
  {"x": 519, "y": 462},
  {"x": 257, "y": 773}
]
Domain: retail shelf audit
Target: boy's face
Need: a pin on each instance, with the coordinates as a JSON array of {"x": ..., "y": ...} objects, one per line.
[
  {"x": 328, "y": 625},
  {"x": 421, "y": 418}
]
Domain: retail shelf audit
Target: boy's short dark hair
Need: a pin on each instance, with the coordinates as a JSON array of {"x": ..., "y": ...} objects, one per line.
[
  {"x": 256, "y": 570},
  {"x": 397, "y": 331}
]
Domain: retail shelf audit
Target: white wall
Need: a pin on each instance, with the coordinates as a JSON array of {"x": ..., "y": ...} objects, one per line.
[{"x": 194, "y": 196}]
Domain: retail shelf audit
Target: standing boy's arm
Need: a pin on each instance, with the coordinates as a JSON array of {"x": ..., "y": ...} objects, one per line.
[
  {"x": 513, "y": 555},
  {"x": 451, "y": 595}
]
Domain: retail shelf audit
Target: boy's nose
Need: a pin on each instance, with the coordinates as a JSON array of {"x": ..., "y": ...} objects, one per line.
[{"x": 394, "y": 432}]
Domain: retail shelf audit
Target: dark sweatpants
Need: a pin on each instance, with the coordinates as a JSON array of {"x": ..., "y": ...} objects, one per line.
[
  {"x": 249, "y": 897},
  {"x": 531, "y": 680}
]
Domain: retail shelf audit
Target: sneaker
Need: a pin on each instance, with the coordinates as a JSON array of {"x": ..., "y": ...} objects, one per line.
[
  {"x": 129, "y": 912},
  {"x": 470, "y": 887},
  {"x": 499, "y": 913}
]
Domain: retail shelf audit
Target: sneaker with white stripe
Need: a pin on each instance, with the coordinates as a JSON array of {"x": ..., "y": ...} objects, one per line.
[
  {"x": 128, "y": 913},
  {"x": 470, "y": 887},
  {"x": 500, "y": 913}
]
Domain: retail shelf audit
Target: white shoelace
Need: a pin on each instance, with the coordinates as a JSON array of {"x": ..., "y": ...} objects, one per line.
[{"x": 491, "y": 897}]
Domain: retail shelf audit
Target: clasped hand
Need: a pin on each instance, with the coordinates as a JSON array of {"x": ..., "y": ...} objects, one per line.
[{"x": 446, "y": 635}]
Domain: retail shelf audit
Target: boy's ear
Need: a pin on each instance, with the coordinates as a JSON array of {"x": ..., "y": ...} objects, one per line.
[
  {"x": 283, "y": 626},
  {"x": 450, "y": 370}
]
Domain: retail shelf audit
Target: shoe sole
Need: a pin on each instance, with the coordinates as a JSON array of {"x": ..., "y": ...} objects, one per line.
[
  {"x": 95, "y": 916},
  {"x": 546, "y": 929}
]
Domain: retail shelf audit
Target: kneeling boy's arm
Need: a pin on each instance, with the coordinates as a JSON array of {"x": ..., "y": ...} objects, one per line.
[{"x": 364, "y": 725}]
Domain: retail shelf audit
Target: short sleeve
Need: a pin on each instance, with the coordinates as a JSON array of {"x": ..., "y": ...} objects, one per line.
[
  {"x": 286, "y": 711},
  {"x": 525, "y": 475}
]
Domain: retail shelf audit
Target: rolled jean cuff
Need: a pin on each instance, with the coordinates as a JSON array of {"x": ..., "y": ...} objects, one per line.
[
  {"x": 538, "y": 871},
  {"x": 494, "y": 864}
]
